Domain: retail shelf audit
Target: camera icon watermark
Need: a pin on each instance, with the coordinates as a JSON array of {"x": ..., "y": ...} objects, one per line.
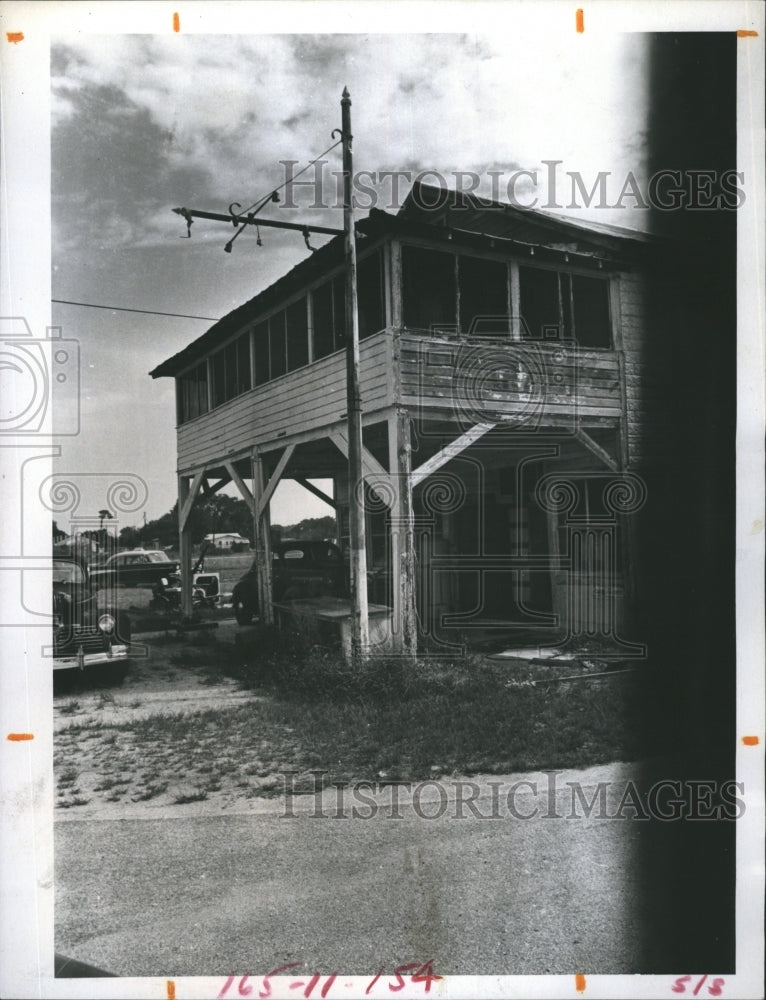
[{"x": 39, "y": 381}]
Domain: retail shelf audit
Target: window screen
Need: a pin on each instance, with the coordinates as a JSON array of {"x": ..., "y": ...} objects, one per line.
[
  {"x": 324, "y": 323},
  {"x": 277, "y": 345},
  {"x": 574, "y": 305},
  {"x": 192, "y": 390},
  {"x": 428, "y": 278},
  {"x": 218, "y": 371},
  {"x": 261, "y": 352},
  {"x": 370, "y": 295},
  {"x": 297, "y": 335},
  {"x": 539, "y": 306},
  {"x": 592, "y": 327},
  {"x": 243, "y": 363},
  {"x": 483, "y": 297}
]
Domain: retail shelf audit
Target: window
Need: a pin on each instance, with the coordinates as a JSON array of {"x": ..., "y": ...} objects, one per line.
[
  {"x": 244, "y": 381},
  {"x": 296, "y": 322},
  {"x": 592, "y": 327},
  {"x": 230, "y": 365},
  {"x": 277, "y": 345},
  {"x": 329, "y": 312},
  {"x": 230, "y": 368},
  {"x": 540, "y": 305},
  {"x": 261, "y": 352},
  {"x": 324, "y": 325},
  {"x": 483, "y": 288},
  {"x": 572, "y": 306},
  {"x": 429, "y": 294},
  {"x": 192, "y": 393},
  {"x": 369, "y": 280},
  {"x": 218, "y": 372}
]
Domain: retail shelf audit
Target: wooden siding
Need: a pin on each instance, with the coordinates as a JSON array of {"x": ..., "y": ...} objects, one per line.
[
  {"x": 543, "y": 383},
  {"x": 303, "y": 400},
  {"x": 646, "y": 374}
]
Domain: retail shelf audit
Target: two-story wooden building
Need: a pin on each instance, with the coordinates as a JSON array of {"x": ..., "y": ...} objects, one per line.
[{"x": 507, "y": 414}]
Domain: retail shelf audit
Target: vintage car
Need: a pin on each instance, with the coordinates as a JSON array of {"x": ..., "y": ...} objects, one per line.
[
  {"x": 206, "y": 591},
  {"x": 300, "y": 569},
  {"x": 138, "y": 568},
  {"x": 86, "y": 636}
]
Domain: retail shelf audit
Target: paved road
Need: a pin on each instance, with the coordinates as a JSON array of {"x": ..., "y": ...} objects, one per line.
[{"x": 210, "y": 895}]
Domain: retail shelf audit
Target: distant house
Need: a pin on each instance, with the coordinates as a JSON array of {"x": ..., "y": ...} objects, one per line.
[
  {"x": 512, "y": 412},
  {"x": 227, "y": 540}
]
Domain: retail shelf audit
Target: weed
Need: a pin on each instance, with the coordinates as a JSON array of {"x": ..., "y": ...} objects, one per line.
[
  {"x": 197, "y": 796},
  {"x": 68, "y": 776},
  {"x": 69, "y": 707},
  {"x": 105, "y": 698},
  {"x": 109, "y": 782},
  {"x": 151, "y": 791}
]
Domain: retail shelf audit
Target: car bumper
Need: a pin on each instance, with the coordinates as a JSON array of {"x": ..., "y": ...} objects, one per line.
[{"x": 80, "y": 661}]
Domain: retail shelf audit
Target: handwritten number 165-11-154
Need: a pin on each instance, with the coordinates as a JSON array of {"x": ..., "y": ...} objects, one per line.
[{"x": 416, "y": 972}]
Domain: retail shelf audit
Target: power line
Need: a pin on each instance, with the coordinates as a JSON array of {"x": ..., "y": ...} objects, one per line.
[{"x": 147, "y": 312}]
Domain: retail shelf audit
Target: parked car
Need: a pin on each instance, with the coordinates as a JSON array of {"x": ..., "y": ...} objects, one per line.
[
  {"x": 300, "y": 569},
  {"x": 86, "y": 636},
  {"x": 138, "y": 568},
  {"x": 206, "y": 591}
]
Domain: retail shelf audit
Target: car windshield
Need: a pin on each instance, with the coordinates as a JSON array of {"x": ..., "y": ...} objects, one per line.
[{"x": 67, "y": 573}]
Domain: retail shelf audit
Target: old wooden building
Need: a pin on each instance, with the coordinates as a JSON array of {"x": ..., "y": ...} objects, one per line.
[{"x": 507, "y": 413}]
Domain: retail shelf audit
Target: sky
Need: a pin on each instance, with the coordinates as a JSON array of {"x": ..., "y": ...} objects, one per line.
[{"x": 145, "y": 123}]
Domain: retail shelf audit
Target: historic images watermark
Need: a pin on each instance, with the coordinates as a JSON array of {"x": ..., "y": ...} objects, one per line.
[
  {"x": 667, "y": 800},
  {"x": 547, "y": 188}
]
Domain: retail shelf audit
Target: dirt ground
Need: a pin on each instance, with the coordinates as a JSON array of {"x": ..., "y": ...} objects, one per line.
[{"x": 152, "y": 745}]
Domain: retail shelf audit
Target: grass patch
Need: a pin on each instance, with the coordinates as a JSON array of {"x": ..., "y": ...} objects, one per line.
[
  {"x": 151, "y": 791},
  {"x": 399, "y": 720},
  {"x": 196, "y": 796},
  {"x": 69, "y": 707},
  {"x": 68, "y": 777}
]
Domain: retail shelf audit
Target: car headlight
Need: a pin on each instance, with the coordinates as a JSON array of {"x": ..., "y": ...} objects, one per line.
[{"x": 106, "y": 623}]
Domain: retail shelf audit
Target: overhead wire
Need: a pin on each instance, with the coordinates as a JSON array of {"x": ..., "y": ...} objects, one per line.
[{"x": 147, "y": 312}]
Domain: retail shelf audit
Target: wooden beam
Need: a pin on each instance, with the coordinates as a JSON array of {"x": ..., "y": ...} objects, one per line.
[
  {"x": 449, "y": 451},
  {"x": 317, "y": 492},
  {"x": 597, "y": 450},
  {"x": 371, "y": 467},
  {"x": 184, "y": 511},
  {"x": 262, "y": 533},
  {"x": 210, "y": 491},
  {"x": 247, "y": 496},
  {"x": 273, "y": 482},
  {"x": 184, "y": 547},
  {"x": 405, "y": 630}
]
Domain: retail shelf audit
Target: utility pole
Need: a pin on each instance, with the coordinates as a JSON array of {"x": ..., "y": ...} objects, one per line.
[{"x": 360, "y": 630}]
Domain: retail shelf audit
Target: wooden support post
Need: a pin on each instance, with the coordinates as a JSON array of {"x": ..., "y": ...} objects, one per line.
[
  {"x": 262, "y": 534},
  {"x": 184, "y": 546},
  {"x": 405, "y": 629},
  {"x": 360, "y": 629}
]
